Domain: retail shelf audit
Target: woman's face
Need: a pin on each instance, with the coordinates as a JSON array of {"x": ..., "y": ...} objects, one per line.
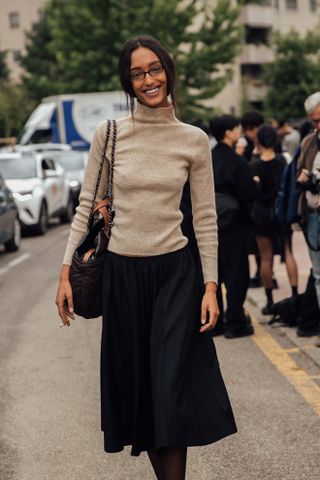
[{"x": 152, "y": 89}]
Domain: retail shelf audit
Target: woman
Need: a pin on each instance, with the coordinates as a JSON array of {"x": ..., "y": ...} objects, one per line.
[
  {"x": 161, "y": 387},
  {"x": 267, "y": 170}
]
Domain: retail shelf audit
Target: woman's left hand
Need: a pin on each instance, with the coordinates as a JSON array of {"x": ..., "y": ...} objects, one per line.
[{"x": 209, "y": 308}]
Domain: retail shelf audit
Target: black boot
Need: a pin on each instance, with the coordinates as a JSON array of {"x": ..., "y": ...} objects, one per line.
[{"x": 269, "y": 308}]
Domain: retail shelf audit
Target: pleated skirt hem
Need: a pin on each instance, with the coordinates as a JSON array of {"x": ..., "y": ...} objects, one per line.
[
  {"x": 194, "y": 442},
  {"x": 161, "y": 384}
]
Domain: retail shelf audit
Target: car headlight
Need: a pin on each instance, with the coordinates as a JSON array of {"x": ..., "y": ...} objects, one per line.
[
  {"x": 74, "y": 184},
  {"x": 22, "y": 196}
]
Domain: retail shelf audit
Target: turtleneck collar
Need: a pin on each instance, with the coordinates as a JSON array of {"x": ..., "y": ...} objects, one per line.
[{"x": 162, "y": 115}]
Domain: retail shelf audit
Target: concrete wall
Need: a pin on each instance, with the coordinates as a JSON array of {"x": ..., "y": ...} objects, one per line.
[{"x": 13, "y": 39}]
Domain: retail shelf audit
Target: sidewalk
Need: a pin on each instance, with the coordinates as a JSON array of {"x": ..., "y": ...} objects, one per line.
[{"x": 256, "y": 297}]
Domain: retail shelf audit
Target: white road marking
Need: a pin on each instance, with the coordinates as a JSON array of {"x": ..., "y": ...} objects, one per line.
[
  {"x": 14, "y": 263},
  {"x": 19, "y": 260}
]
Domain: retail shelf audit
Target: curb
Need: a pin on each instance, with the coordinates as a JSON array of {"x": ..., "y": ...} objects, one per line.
[{"x": 307, "y": 345}]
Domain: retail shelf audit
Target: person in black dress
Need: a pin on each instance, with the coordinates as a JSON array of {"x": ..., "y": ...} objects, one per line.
[{"x": 267, "y": 171}]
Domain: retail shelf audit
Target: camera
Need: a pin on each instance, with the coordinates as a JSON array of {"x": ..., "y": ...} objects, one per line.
[{"x": 313, "y": 184}]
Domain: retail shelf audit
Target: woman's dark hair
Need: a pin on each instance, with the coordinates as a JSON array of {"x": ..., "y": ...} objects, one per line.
[
  {"x": 202, "y": 125},
  {"x": 267, "y": 136},
  {"x": 219, "y": 126},
  {"x": 305, "y": 128},
  {"x": 252, "y": 119},
  {"x": 151, "y": 43}
]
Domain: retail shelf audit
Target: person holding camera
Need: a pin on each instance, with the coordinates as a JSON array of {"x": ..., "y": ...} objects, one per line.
[{"x": 309, "y": 177}]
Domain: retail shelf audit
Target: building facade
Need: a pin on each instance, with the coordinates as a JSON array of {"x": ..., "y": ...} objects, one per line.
[
  {"x": 16, "y": 18},
  {"x": 260, "y": 19}
]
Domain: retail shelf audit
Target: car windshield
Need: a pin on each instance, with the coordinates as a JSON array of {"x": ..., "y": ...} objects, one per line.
[
  {"x": 69, "y": 160},
  {"x": 18, "y": 168}
]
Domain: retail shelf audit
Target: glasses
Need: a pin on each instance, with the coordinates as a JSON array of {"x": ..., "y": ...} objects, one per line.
[{"x": 140, "y": 75}]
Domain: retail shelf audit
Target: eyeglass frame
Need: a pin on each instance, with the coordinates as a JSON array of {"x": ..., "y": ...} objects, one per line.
[{"x": 144, "y": 73}]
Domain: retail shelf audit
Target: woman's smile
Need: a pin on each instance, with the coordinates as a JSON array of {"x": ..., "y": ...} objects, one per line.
[{"x": 152, "y": 89}]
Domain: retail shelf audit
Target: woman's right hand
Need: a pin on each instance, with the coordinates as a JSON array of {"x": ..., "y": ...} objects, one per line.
[{"x": 64, "y": 298}]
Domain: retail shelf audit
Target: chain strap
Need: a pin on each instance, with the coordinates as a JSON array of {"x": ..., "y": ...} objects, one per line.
[{"x": 110, "y": 176}]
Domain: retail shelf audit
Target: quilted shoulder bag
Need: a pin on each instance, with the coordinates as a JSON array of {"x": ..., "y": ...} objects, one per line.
[{"x": 87, "y": 261}]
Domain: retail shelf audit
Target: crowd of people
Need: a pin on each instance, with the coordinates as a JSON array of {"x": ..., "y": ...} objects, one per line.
[{"x": 251, "y": 157}]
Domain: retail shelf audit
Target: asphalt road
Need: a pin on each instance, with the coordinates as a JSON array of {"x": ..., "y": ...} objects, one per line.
[{"x": 49, "y": 392}]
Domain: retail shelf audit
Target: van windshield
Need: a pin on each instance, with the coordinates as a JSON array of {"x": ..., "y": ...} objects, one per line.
[{"x": 18, "y": 168}]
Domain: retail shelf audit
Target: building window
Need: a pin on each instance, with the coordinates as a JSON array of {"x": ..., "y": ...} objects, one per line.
[
  {"x": 292, "y": 4},
  {"x": 257, "y": 36},
  {"x": 16, "y": 55},
  {"x": 313, "y": 5},
  {"x": 14, "y": 19}
]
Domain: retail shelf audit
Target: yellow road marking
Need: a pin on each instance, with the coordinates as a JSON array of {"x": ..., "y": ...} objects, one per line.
[{"x": 281, "y": 359}]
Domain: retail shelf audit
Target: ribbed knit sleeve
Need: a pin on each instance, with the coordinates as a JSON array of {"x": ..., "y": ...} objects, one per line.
[
  {"x": 203, "y": 207},
  {"x": 79, "y": 225}
]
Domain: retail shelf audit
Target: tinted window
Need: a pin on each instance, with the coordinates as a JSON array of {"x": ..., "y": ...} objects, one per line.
[
  {"x": 69, "y": 160},
  {"x": 18, "y": 168}
]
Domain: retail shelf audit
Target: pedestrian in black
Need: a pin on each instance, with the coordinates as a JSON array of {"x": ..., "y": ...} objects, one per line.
[
  {"x": 267, "y": 170},
  {"x": 250, "y": 123},
  {"x": 235, "y": 193},
  {"x": 161, "y": 386}
]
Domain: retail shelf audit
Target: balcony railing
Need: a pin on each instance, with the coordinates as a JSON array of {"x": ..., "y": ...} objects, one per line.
[
  {"x": 259, "y": 16},
  {"x": 256, "y": 54},
  {"x": 256, "y": 90}
]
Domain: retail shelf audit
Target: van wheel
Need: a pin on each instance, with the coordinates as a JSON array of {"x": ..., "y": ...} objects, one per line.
[
  {"x": 67, "y": 215},
  {"x": 41, "y": 227},
  {"x": 13, "y": 244}
]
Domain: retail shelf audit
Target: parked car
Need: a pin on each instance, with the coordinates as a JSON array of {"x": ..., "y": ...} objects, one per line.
[
  {"x": 10, "y": 229},
  {"x": 42, "y": 147},
  {"x": 74, "y": 163},
  {"x": 39, "y": 187},
  {"x": 35, "y": 147}
]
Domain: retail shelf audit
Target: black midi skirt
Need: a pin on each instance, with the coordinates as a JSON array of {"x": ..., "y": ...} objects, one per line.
[{"x": 161, "y": 384}]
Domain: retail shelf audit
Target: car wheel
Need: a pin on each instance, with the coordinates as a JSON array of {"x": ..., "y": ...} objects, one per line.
[
  {"x": 13, "y": 244},
  {"x": 42, "y": 226},
  {"x": 67, "y": 215}
]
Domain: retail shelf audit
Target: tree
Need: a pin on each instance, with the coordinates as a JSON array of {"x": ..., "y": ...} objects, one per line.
[
  {"x": 294, "y": 74},
  {"x": 4, "y": 72},
  {"x": 81, "y": 41},
  {"x": 42, "y": 76},
  {"x": 15, "y": 107}
]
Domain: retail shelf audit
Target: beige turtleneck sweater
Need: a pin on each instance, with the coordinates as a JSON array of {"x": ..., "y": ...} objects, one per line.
[{"x": 155, "y": 154}]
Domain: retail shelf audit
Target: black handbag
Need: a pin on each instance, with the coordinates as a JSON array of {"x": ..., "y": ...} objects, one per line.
[
  {"x": 88, "y": 258},
  {"x": 227, "y": 207}
]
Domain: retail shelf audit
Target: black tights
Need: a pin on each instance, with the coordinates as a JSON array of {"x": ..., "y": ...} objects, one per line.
[{"x": 169, "y": 463}]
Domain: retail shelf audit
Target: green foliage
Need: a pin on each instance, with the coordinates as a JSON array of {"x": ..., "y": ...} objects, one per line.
[
  {"x": 75, "y": 46},
  {"x": 4, "y": 72},
  {"x": 293, "y": 75},
  {"x": 15, "y": 107},
  {"x": 42, "y": 77}
]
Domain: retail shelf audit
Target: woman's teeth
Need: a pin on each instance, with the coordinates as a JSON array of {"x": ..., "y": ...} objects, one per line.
[{"x": 152, "y": 92}]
